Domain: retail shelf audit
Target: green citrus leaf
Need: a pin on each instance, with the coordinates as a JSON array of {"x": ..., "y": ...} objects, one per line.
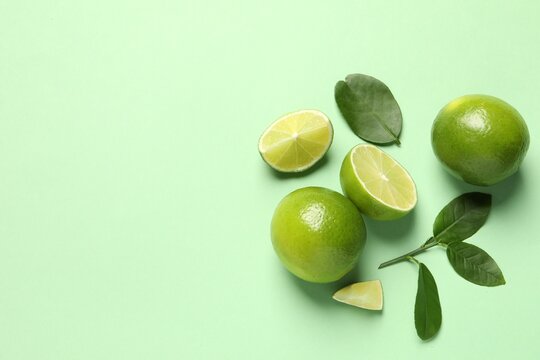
[
  {"x": 474, "y": 264},
  {"x": 427, "y": 309},
  {"x": 369, "y": 108},
  {"x": 462, "y": 217}
]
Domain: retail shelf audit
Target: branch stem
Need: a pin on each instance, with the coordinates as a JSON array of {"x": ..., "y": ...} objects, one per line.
[
  {"x": 428, "y": 244},
  {"x": 412, "y": 259}
]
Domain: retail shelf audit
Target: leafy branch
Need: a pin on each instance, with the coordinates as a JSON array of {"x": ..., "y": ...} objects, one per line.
[{"x": 457, "y": 221}]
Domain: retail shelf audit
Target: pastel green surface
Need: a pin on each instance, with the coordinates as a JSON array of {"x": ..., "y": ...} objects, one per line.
[{"x": 135, "y": 209}]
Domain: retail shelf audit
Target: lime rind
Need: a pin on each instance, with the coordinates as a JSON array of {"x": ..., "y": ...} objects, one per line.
[
  {"x": 318, "y": 234},
  {"x": 480, "y": 139}
]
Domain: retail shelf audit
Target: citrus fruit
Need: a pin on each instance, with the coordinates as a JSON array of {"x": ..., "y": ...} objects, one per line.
[
  {"x": 480, "y": 139},
  {"x": 376, "y": 183},
  {"x": 366, "y": 295},
  {"x": 318, "y": 234},
  {"x": 296, "y": 141}
]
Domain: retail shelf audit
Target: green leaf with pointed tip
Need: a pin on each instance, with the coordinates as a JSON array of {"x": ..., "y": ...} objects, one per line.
[
  {"x": 474, "y": 264},
  {"x": 369, "y": 108},
  {"x": 427, "y": 309},
  {"x": 462, "y": 217}
]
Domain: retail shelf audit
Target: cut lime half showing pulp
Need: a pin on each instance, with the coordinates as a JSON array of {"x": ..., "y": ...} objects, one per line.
[
  {"x": 376, "y": 183},
  {"x": 296, "y": 141}
]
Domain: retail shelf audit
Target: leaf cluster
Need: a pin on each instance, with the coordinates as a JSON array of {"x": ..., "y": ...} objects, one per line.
[{"x": 457, "y": 221}]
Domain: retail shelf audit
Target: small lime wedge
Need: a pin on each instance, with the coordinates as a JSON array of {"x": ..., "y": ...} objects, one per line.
[
  {"x": 366, "y": 295},
  {"x": 296, "y": 141},
  {"x": 376, "y": 183}
]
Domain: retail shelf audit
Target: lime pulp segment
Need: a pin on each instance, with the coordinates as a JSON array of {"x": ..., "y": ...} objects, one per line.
[
  {"x": 296, "y": 141},
  {"x": 367, "y": 295}
]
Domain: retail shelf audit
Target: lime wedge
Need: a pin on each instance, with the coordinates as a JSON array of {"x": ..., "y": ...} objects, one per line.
[
  {"x": 376, "y": 183},
  {"x": 296, "y": 141},
  {"x": 366, "y": 295}
]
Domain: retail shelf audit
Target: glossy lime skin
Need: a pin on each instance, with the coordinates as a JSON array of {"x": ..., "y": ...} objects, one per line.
[
  {"x": 480, "y": 139},
  {"x": 318, "y": 234}
]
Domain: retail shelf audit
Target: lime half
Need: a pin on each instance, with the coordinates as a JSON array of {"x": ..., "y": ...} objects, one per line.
[
  {"x": 376, "y": 183},
  {"x": 296, "y": 141},
  {"x": 365, "y": 295}
]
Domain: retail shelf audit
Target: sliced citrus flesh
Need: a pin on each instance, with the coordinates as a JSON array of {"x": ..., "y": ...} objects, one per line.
[
  {"x": 366, "y": 295},
  {"x": 378, "y": 185},
  {"x": 296, "y": 141}
]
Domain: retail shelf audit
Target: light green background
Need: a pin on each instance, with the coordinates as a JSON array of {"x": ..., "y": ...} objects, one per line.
[{"x": 135, "y": 209}]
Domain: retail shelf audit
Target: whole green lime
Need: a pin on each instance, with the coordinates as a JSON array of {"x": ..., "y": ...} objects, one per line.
[
  {"x": 318, "y": 234},
  {"x": 480, "y": 139}
]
